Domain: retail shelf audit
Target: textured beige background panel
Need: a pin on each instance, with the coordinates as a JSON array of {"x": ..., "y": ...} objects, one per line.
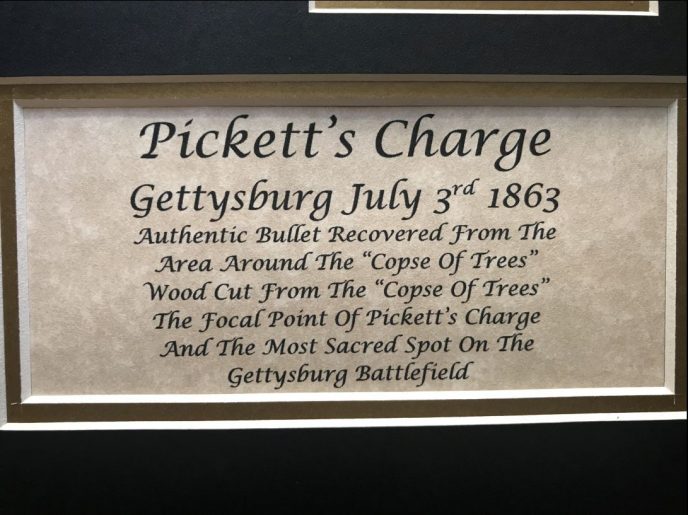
[{"x": 91, "y": 329}]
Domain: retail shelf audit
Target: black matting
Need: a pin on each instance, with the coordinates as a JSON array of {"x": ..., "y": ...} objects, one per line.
[
  {"x": 181, "y": 38},
  {"x": 594, "y": 468}
]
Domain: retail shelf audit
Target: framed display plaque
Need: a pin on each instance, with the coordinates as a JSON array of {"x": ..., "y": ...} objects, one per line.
[
  {"x": 253, "y": 252},
  {"x": 343, "y": 257}
]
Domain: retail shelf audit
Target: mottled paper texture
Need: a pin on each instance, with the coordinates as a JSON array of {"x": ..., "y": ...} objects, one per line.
[{"x": 91, "y": 320}]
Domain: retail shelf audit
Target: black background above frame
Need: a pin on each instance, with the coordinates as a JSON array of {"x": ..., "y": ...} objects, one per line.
[
  {"x": 631, "y": 467},
  {"x": 186, "y": 38}
]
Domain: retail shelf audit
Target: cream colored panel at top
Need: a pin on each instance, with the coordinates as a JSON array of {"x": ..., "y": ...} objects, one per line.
[{"x": 496, "y": 7}]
